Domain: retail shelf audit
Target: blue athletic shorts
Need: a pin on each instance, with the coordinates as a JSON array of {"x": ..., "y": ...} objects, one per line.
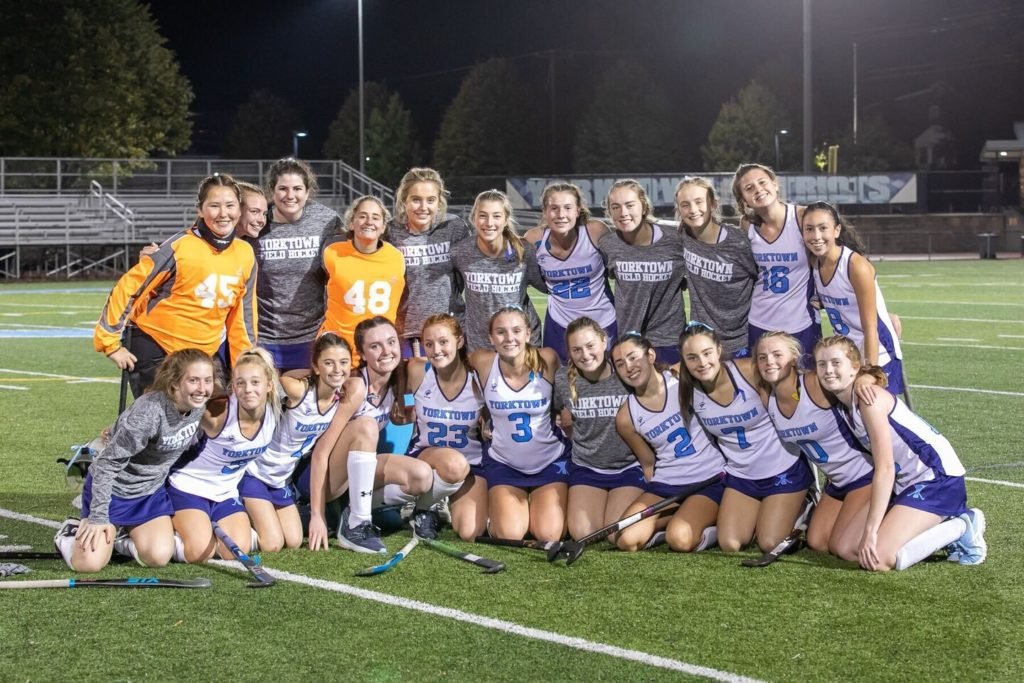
[
  {"x": 216, "y": 511},
  {"x": 580, "y": 475},
  {"x": 894, "y": 373},
  {"x": 840, "y": 492},
  {"x": 130, "y": 511},
  {"x": 251, "y": 487},
  {"x": 499, "y": 474},
  {"x": 713, "y": 491},
  {"x": 798, "y": 477},
  {"x": 290, "y": 356},
  {"x": 943, "y": 496},
  {"x": 669, "y": 355},
  {"x": 409, "y": 350},
  {"x": 554, "y": 337}
]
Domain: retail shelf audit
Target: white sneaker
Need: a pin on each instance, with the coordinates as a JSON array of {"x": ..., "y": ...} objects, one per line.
[
  {"x": 64, "y": 539},
  {"x": 972, "y": 545}
]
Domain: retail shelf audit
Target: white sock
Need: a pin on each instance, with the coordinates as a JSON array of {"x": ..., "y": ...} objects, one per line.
[
  {"x": 362, "y": 467},
  {"x": 179, "y": 549},
  {"x": 658, "y": 538},
  {"x": 708, "y": 539},
  {"x": 126, "y": 546},
  {"x": 393, "y": 494},
  {"x": 254, "y": 540},
  {"x": 66, "y": 546},
  {"x": 438, "y": 490},
  {"x": 927, "y": 542}
]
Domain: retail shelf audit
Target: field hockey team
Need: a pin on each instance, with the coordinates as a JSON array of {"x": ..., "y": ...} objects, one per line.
[{"x": 519, "y": 429}]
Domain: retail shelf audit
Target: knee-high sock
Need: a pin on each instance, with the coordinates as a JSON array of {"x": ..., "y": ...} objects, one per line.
[
  {"x": 708, "y": 539},
  {"x": 362, "y": 466},
  {"x": 438, "y": 490},
  {"x": 254, "y": 540},
  {"x": 126, "y": 546},
  {"x": 65, "y": 546},
  {"x": 394, "y": 495},
  {"x": 928, "y": 541},
  {"x": 179, "y": 549}
]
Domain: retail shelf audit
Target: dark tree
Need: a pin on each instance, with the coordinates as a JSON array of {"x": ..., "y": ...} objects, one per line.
[
  {"x": 745, "y": 132},
  {"x": 262, "y": 128}
]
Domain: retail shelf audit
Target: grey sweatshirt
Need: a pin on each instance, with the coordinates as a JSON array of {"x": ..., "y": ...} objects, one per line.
[{"x": 595, "y": 441}]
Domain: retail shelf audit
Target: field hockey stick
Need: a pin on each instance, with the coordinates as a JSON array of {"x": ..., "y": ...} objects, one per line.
[
  {"x": 906, "y": 388},
  {"x": 516, "y": 543},
  {"x": 788, "y": 542},
  {"x": 490, "y": 566},
  {"x": 130, "y": 582},
  {"x": 28, "y": 555},
  {"x": 571, "y": 550},
  {"x": 126, "y": 343},
  {"x": 394, "y": 559},
  {"x": 263, "y": 579}
]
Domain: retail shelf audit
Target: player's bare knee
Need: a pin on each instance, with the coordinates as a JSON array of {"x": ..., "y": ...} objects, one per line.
[
  {"x": 730, "y": 545},
  {"x": 818, "y": 542},
  {"x": 681, "y": 540},
  {"x": 88, "y": 563},
  {"x": 453, "y": 469}
]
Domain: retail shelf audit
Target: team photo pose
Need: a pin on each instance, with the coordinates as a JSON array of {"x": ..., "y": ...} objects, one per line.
[
  {"x": 496, "y": 266},
  {"x": 198, "y": 288},
  {"x": 345, "y": 455},
  {"x": 365, "y": 275},
  {"x": 911, "y": 460},
  {"x": 525, "y": 463},
  {"x": 766, "y": 481},
  {"x": 673, "y": 449},
  {"x": 845, "y": 282},
  {"x": 125, "y": 485},
  {"x": 572, "y": 267},
  {"x": 424, "y": 232},
  {"x": 604, "y": 475},
  {"x": 720, "y": 267},
  {"x": 310, "y": 402},
  {"x": 448, "y": 402},
  {"x": 808, "y": 418},
  {"x": 646, "y": 261},
  {"x": 782, "y": 294},
  {"x": 204, "y": 485},
  {"x": 290, "y": 291}
]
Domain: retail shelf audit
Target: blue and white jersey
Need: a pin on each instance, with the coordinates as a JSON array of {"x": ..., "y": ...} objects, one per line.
[
  {"x": 215, "y": 471},
  {"x": 294, "y": 438},
  {"x": 783, "y": 290},
  {"x": 577, "y": 284},
  {"x": 744, "y": 432},
  {"x": 523, "y": 436},
  {"x": 824, "y": 437},
  {"x": 377, "y": 407},
  {"x": 921, "y": 454},
  {"x": 443, "y": 422},
  {"x": 683, "y": 453},
  {"x": 840, "y": 303}
]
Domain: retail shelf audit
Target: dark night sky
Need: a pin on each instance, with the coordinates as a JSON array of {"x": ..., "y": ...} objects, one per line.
[{"x": 700, "y": 52}]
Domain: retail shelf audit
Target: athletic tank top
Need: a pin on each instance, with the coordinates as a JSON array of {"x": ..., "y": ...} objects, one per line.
[
  {"x": 784, "y": 286},
  {"x": 447, "y": 422},
  {"x": 218, "y": 467},
  {"x": 743, "y": 429},
  {"x": 296, "y": 433},
  {"x": 682, "y": 450},
  {"x": 522, "y": 433},
  {"x": 577, "y": 284},
  {"x": 377, "y": 407},
  {"x": 824, "y": 437},
  {"x": 840, "y": 303},
  {"x": 919, "y": 451}
]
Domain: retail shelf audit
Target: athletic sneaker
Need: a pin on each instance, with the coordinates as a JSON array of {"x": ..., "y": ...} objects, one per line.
[
  {"x": 655, "y": 540},
  {"x": 444, "y": 514},
  {"x": 365, "y": 538},
  {"x": 972, "y": 546},
  {"x": 64, "y": 539},
  {"x": 425, "y": 524}
]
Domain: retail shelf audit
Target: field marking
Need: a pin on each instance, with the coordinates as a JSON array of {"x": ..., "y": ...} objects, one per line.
[
  {"x": 12, "y": 387},
  {"x": 955, "y": 303},
  {"x": 996, "y": 466},
  {"x": 1011, "y": 336},
  {"x": 507, "y": 627},
  {"x": 1000, "y": 482},
  {"x": 62, "y": 333},
  {"x": 957, "y": 339},
  {"x": 14, "y": 548},
  {"x": 105, "y": 380},
  {"x": 83, "y": 308},
  {"x": 969, "y": 346},
  {"x": 962, "y": 320},
  {"x": 969, "y": 390},
  {"x": 74, "y": 290}
]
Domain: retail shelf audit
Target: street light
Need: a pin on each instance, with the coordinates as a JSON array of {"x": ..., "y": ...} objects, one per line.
[
  {"x": 778, "y": 155},
  {"x": 296, "y": 134}
]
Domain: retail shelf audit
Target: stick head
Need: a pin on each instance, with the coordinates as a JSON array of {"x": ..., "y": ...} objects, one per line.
[
  {"x": 498, "y": 567},
  {"x": 555, "y": 551},
  {"x": 572, "y": 551}
]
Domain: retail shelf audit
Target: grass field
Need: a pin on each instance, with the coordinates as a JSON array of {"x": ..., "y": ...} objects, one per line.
[{"x": 652, "y": 616}]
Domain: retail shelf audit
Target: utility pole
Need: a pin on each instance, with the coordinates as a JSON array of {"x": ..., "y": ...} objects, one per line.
[{"x": 808, "y": 114}]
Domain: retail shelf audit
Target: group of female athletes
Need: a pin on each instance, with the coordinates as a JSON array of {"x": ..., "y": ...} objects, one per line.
[{"x": 613, "y": 404}]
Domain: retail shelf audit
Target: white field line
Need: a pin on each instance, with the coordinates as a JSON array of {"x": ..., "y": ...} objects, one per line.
[
  {"x": 63, "y": 306},
  {"x": 967, "y": 390},
  {"x": 12, "y": 387},
  {"x": 37, "y": 326},
  {"x": 957, "y": 339},
  {"x": 955, "y": 303},
  {"x": 1000, "y": 482},
  {"x": 105, "y": 380},
  {"x": 948, "y": 285},
  {"x": 501, "y": 625},
  {"x": 14, "y": 548},
  {"x": 963, "y": 320},
  {"x": 968, "y": 346},
  {"x": 1011, "y": 336}
]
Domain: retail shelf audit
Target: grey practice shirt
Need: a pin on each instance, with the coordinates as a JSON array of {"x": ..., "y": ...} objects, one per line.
[
  {"x": 290, "y": 286},
  {"x": 721, "y": 281},
  {"x": 649, "y": 284},
  {"x": 148, "y": 438},
  {"x": 595, "y": 441},
  {"x": 492, "y": 283},
  {"x": 430, "y": 281}
]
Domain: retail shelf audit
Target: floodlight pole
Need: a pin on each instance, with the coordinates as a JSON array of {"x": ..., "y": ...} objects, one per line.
[{"x": 362, "y": 103}]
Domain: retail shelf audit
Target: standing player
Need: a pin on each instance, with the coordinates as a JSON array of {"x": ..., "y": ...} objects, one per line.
[
  {"x": 647, "y": 263},
  {"x": 254, "y": 212},
  {"x": 571, "y": 266},
  {"x": 365, "y": 275},
  {"x": 673, "y": 449},
  {"x": 912, "y": 460},
  {"x": 195, "y": 289},
  {"x": 311, "y": 401},
  {"x": 846, "y": 285},
  {"x": 424, "y": 232},
  {"x": 204, "y": 485},
  {"x": 526, "y": 461},
  {"x": 496, "y": 267},
  {"x": 782, "y": 294},
  {"x": 604, "y": 476},
  {"x": 125, "y": 485},
  {"x": 720, "y": 265},
  {"x": 290, "y": 292}
]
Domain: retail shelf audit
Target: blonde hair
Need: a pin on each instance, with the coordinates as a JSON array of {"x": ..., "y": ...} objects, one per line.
[
  {"x": 261, "y": 359},
  {"x": 737, "y": 192},
  {"x": 172, "y": 369},
  {"x": 647, "y": 215},
  {"x": 248, "y": 188},
  {"x": 572, "y": 189},
  {"x": 853, "y": 353},
  {"x": 534, "y": 361},
  {"x": 713, "y": 203},
  {"x": 512, "y": 239},
  {"x": 350, "y": 213},
  {"x": 791, "y": 343},
  {"x": 579, "y": 325},
  {"x": 419, "y": 175}
]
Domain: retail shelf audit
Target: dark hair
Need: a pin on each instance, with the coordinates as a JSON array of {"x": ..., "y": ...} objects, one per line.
[
  {"x": 291, "y": 165},
  {"x": 737, "y": 192},
  {"x": 365, "y": 326},
  {"x": 848, "y": 236},
  {"x": 216, "y": 180},
  {"x": 173, "y": 367},
  {"x": 638, "y": 339},
  {"x": 694, "y": 329},
  {"x": 328, "y": 340}
]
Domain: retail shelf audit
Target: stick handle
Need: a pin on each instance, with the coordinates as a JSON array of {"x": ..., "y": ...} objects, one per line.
[
  {"x": 123, "y": 399},
  {"x": 38, "y": 583}
]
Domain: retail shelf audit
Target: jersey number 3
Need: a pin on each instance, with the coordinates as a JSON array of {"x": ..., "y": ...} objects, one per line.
[{"x": 376, "y": 297}]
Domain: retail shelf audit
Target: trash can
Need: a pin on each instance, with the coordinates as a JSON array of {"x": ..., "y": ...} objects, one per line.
[{"x": 985, "y": 248}]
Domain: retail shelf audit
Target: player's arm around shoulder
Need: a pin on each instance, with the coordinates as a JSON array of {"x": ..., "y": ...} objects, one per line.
[
  {"x": 551, "y": 363},
  {"x": 481, "y": 361}
]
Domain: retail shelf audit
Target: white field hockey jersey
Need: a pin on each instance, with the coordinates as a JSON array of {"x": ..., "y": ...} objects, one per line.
[
  {"x": 840, "y": 303},
  {"x": 522, "y": 433},
  {"x": 682, "y": 450},
  {"x": 443, "y": 422},
  {"x": 377, "y": 407},
  {"x": 824, "y": 437},
  {"x": 294, "y": 438},
  {"x": 577, "y": 285},
  {"x": 921, "y": 454},
  {"x": 784, "y": 285},
  {"x": 745, "y": 433},
  {"x": 215, "y": 472}
]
